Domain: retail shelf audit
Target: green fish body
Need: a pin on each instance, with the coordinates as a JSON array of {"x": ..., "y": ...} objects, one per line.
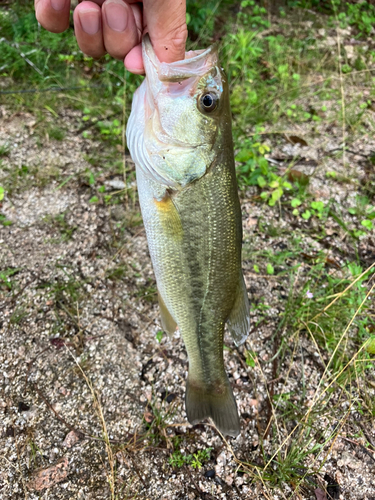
[{"x": 179, "y": 135}]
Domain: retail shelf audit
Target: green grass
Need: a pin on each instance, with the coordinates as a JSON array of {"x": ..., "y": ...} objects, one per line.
[{"x": 282, "y": 78}]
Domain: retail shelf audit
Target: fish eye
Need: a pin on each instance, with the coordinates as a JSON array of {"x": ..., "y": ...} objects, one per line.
[{"x": 208, "y": 102}]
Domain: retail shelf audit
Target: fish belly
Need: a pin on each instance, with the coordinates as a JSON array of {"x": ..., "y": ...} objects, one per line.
[{"x": 194, "y": 237}]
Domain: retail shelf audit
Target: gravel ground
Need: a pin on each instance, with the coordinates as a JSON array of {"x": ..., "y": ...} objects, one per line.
[{"x": 92, "y": 404}]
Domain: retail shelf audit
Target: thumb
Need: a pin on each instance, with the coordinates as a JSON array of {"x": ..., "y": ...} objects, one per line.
[{"x": 166, "y": 24}]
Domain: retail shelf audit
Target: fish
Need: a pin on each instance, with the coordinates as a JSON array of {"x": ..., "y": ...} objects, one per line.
[{"x": 180, "y": 138}]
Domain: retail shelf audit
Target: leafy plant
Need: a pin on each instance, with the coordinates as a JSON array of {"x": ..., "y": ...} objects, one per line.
[
  {"x": 6, "y": 274},
  {"x": 360, "y": 15},
  {"x": 364, "y": 211},
  {"x": 196, "y": 460},
  {"x": 254, "y": 170}
]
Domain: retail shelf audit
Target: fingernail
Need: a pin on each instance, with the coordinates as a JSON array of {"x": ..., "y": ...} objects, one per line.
[
  {"x": 116, "y": 14},
  {"x": 89, "y": 21},
  {"x": 57, "y": 4}
]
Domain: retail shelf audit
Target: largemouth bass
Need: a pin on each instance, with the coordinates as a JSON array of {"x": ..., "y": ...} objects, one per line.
[{"x": 180, "y": 138}]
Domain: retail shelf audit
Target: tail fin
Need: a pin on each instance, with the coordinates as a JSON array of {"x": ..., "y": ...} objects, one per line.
[{"x": 201, "y": 403}]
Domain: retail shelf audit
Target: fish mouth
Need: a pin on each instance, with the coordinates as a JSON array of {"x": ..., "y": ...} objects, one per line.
[
  {"x": 196, "y": 63},
  {"x": 177, "y": 79}
]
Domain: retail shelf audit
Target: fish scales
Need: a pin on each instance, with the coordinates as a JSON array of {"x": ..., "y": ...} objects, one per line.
[{"x": 193, "y": 223}]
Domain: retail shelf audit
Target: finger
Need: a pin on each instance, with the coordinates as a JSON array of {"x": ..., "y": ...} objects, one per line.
[
  {"x": 98, "y": 2},
  {"x": 88, "y": 29},
  {"x": 122, "y": 27},
  {"x": 166, "y": 23},
  {"x": 134, "y": 62},
  {"x": 53, "y": 15}
]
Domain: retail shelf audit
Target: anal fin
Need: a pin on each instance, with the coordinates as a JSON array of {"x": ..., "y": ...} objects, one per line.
[
  {"x": 167, "y": 322},
  {"x": 239, "y": 319}
]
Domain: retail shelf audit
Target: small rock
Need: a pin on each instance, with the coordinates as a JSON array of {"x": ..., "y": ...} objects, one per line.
[
  {"x": 349, "y": 460},
  {"x": 349, "y": 49},
  {"x": 23, "y": 406},
  {"x": 115, "y": 184},
  {"x": 45, "y": 478},
  {"x": 71, "y": 439},
  {"x": 229, "y": 479},
  {"x": 210, "y": 473},
  {"x": 320, "y": 494}
]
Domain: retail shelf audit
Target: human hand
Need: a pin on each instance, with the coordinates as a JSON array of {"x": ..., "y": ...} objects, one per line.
[{"x": 117, "y": 26}]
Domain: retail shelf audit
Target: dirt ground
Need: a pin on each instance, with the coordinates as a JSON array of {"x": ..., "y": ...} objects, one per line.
[{"x": 92, "y": 404}]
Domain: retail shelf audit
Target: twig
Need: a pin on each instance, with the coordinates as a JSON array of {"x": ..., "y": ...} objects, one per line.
[
  {"x": 71, "y": 427},
  {"x": 42, "y": 396},
  {"x": 363, "y": 448},
  {"x": 16, "y": 47},
  {"x": 368, "y": 437},
  {"x": 348, "y": 151}
]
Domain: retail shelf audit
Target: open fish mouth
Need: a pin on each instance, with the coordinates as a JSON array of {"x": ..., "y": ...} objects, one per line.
[
  {"x": 196, "y": 63},
  {"x": 169, "y": 133}
]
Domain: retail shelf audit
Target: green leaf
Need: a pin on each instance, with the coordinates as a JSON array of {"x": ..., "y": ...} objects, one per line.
[
  {"x": 317, "y": 205},
  {"x": 306, "y": 215},
  {"x": 1, "y": 193},
  {"x": 52, "y": 111},
  {"x": 270, "y": 269},
  {"x": 367, "y": 224},
  {"x": 261, "y": 181},
  {"x": 263, "y": 165},
  {"x": 277, "y": 194},
  {"x": 295, "y": 212},
  {"x": 370, "y": 348},
  {"x": 94, "y": 199},
  {"x": 250, "y": 358},
  {"x": 295, "y": 202},
  {"x": 159, "y": 335},
  {"x": 244, "y": 155},
  {"x": 256, "y": 268}
]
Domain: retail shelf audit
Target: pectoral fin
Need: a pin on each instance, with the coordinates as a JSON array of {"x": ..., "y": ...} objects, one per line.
[
  {"x": 169, "y": 217},
  {"x": 239, "y": 318},
  {"x": 167, "y": 322}
]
